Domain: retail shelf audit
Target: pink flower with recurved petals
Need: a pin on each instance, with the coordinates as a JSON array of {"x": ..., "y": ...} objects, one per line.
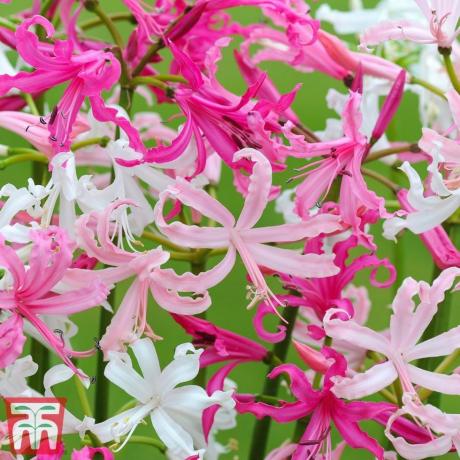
[
  {"x": 11, "y": 340},
  {"x": 240, "y": 236},
  {"x": 89, "y": 74},
  {"x": 407, "y": 325},
  {"x": 29, "y": 293}
]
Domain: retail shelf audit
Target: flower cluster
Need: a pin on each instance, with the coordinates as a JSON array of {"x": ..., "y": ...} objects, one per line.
[{"x": 127, "y": 150}]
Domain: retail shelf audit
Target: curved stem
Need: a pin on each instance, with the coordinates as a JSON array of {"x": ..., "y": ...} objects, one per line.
[
  {"x": 382, "y": 179},
  {"x": 432, "y": 88},
  {"x": 262, "y": 427},
  {"x": 23, "y": 158},
  {"x": 113, "y": 17},
  {"x": 163, "y": 241},
  {"x": 154, "y": 48},
  {"x": 450, "y": 68},
  {"x": 414, "y": 148},
  {"x": 101, "y": 141},
  {"x": 149, "y": 442}
]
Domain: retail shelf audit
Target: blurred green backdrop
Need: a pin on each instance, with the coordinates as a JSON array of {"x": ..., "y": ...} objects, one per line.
[{"x": 228, "y": 309}]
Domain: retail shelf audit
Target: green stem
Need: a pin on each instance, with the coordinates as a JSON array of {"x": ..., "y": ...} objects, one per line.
[
  {"x": 7, "y": 24},
  {"x": 148, "y": 442},
  {"x": 31, "y": 103},
  {"x": 113, "y": 18},
  {"x": 24, "y": 158},
  {"x": 432, "y": 88},
  {"x": 446, "y": 52},
  {"x": 382, "y": 179},
  {"x": 152, "y": 81},
  {"x": 391, "y": 151},
  {"x": 262, "y": 427},
  {"x": 154, "y": 48},
  {"x": 101, "y": 401},
  {"x": 101, "y": 141},
  {"x": 171, "y": 77},
  {"x": 163, "y": 241}
]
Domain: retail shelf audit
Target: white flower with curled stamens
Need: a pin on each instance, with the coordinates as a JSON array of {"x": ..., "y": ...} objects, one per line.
[
  {"x": 401, "y": 346},
  {"x": 175, "y": 412}
]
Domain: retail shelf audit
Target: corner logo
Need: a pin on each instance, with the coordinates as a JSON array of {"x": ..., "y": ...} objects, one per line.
[{"x": 35, "y": 424}]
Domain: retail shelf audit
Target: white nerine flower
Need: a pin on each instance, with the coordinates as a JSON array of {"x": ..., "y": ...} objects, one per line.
[
  {"x": 175, "y": 412},
  {"x": 429, "y": 211}
]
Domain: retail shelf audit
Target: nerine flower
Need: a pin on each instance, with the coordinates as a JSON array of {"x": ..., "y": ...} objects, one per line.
[
  {"x": 324, "y": 409},
  {"x": 401, "y": 347},
  {"x": 28, "y": 292},
  {"x": 440, "y": 27},
  {"x": 94, "y": 234},
  {"x": 241, "y": 237},
  {"x": 175, "y": 412},
  {"x": 89, "y": 73}
]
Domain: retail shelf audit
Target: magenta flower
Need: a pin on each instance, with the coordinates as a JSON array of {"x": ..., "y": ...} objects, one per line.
[
  {"x": 89, "y": 73},
  {"x": 29, "y": 294},
  {"x": 321, "y": 294},
  {"x": 240, "y": 236},
  {"x": 88, "y": 453},
  {"x": 323, "y": 408}
]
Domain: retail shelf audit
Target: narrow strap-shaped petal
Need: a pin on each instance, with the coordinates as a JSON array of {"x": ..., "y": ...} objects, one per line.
[
  {"x": 71, "y": 302},
  {"x": 355, "y": 334},
  {"x": 147, "y": 358},
  {"x": 446, "y": 384},
  {"x": 299, "y": 384},
  {"x": 121, "y": 373},
  {"x": 183, "y": 368},
  {"x": 441, "y": 345},
  {"x": 177, "y": 440},
  {"x": 355, "y": 437},
  {"x": 366, "y": 383},
  {"x": 260, "y": 182},
  {"x": 292, "y": 263},
  {"x": 10, "y": 260},
  {"x": 323, "y": 223}
]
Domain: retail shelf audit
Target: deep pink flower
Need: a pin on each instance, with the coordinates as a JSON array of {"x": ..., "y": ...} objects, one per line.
[
  {"x": 11, "y": 340},
  {"x": 323, "y": 407},
  {"x": 88, "y": 453},
  {"x": 30, "y": 293},
  {"x": 89, "y": 73}
]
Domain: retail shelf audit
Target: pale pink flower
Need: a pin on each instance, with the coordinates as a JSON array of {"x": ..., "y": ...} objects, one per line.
[
  {"x": 11, "y": 340},
  {"x": 440, "y": 27},
  {"x": 239, "y": 236},
  {"x": 95, "y": 234},
  {"x": 401, "y": 346}
]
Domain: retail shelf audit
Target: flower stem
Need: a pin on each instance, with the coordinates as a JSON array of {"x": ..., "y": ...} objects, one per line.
[
  {"x": 101, "y": 141},
  {"x": 101, "y": 401},
  {"x": 382, "y": 179},
  {"x": 262, "y": 427},
  {"x": 446, "y": 55},
  {"x": 432, "y": 88},
  {"x": 414, "y": 148},
  {"x": 40, "y": 355},
  {"x": 24, "y": 158},
  {"x": 149, "y": 442},
  {"x": 98, "y": 21}
]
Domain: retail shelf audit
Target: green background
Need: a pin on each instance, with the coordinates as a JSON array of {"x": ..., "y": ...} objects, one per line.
[{"x": 228, "y": 309}]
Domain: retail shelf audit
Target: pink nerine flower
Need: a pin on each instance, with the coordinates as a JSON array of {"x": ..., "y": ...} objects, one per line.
[
  {"x": 441, "y": 27},
  {"x": 323, "y": 407},
  {"x": 11, "y": 340},
  {"x": 89, "y": 74},
  {"x": 88, "y": 453},
  {"x": 239, "y": 236},
  {"x": 28, "y": 293},
  {"x": 407, "y": 325},
  {"x": 130, "y": 320}
]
